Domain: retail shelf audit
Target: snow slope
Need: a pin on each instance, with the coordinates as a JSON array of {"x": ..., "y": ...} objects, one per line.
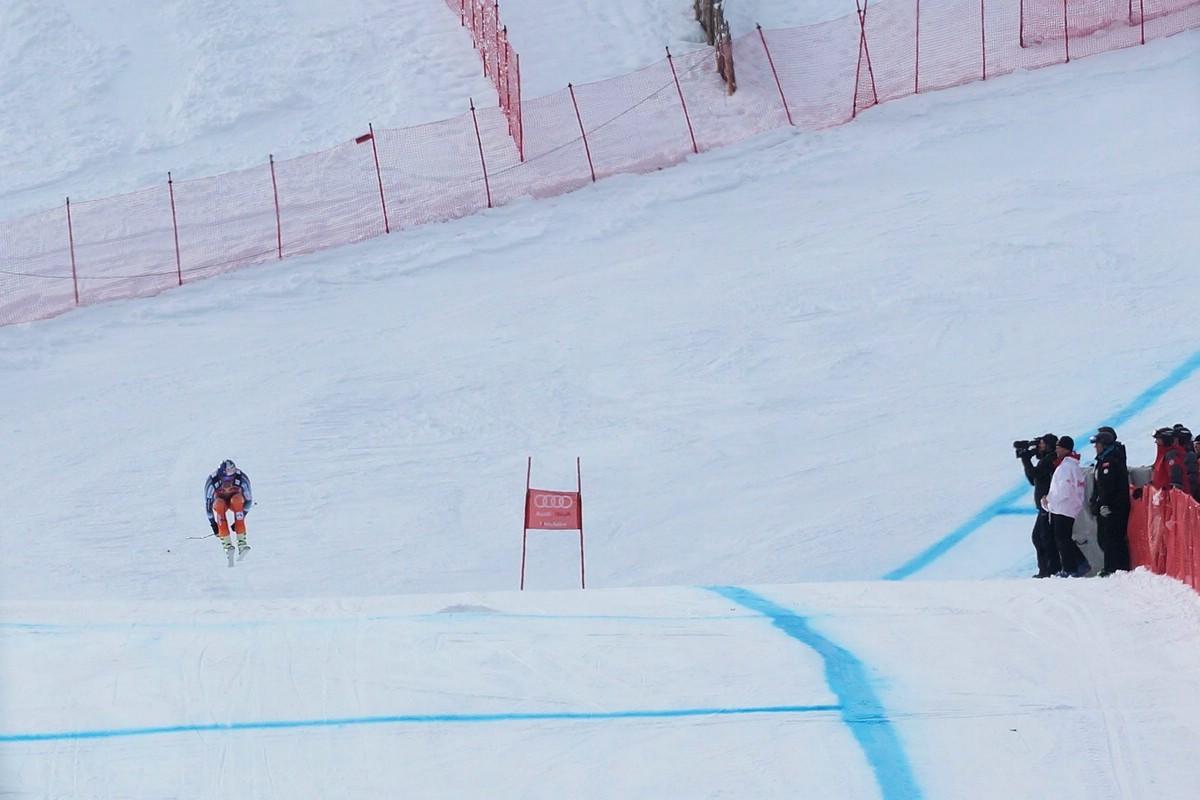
[{"x": 795, "y": 365}]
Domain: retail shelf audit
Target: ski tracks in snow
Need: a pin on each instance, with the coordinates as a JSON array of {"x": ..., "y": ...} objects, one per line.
[{"x": 1116, "y": 770}]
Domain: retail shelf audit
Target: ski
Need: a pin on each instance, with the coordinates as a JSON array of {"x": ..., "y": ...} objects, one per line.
[
  {"x": 229, "y": 553},
  {"x": 242, "y": 553}
]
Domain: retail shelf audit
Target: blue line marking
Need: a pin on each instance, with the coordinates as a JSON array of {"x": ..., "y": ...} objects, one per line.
[
  {"x": 861, "y": 710},
  {"x": 1004, "y": 503},
  {"x": 399, "y": 719},
  {"x": 441, "y": 618}
]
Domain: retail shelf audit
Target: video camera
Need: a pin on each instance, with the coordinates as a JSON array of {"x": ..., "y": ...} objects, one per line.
[{"x": 1025, "y": 447}]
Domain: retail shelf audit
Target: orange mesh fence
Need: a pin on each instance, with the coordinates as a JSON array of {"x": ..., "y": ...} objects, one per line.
[
  {"x": 1064, "y": 20},
  {"x": 226, "y": 221},
  {"x": 500, "y": 61},
  {"x": 386, "y": 180},
  {"x": 1164, "y": 526}
]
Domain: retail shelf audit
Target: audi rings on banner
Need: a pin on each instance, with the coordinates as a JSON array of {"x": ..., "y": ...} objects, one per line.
[{"x": 553, "y": 501}]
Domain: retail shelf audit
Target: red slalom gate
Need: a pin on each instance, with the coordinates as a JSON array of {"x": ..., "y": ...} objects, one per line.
[{"x": 553, "y": 511}]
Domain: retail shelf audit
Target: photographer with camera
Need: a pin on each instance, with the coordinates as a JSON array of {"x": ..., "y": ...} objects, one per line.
[{"x": 1039, "y": 476}]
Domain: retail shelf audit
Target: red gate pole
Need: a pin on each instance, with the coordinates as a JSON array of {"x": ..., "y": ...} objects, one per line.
[
  {"x": 682, "y": 102},
  {"x": 520, "y": 117},
  {"x": 71, "y": 242},
  {"x": 579, "y": 487},
  {"x": 278, "y": 223},
  {"x": 482, "y": 160},
  {"x": 175, "y": 226},
  {"x": 587, "y": 150},
  {"x": 983, "y": 36},
  {"x": 1066, "y": 34},
  {"x": 525, "y": 532},
  {"x": 863, "y": 48},
  {"x": 379, "y": 176},
  {"x": 778, "y": 85}
]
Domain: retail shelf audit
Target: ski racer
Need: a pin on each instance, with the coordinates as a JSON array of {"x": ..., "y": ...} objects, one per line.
[{"x": 228, "y": 488}]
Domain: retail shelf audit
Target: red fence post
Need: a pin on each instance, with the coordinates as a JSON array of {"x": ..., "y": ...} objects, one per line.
[
  {"x": 369, "y": 136},
  {"x": 278, "y": 223},
  {"x": 862, "y": 48},
  {"x": 175, "y": 226},
  {"x": 1066, "y": 34},
  {"x": 476, "y": 25},
  {"x": 917, "y": 58},
  {"x": 682, "y": 102},
  {"x": 520, "y": 115},
  {"x": 502, "y": 54},
  {"x": 983, "y": 36},
  {"x": 71, "y": 242},
  {"x": 479, "y": 139},
  {"x": 778, "y": 85},
  {"x": 587, "y": 150},
  {"x": 496, "y": 10},
  {"x": 387, "y": 228}
]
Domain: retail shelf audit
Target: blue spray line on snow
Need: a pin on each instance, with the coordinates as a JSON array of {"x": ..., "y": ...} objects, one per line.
[
  {"x": 401, "y": 719},
  {"x": 861, "y": 710},
  {"x": 1003, "y": 505}
]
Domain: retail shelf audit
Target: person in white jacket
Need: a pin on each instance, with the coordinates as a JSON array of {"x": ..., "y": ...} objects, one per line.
[{"x": 1064, "y": 501}]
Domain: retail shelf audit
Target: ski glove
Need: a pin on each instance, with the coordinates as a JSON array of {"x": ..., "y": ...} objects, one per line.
[{"x": 1105, "y": 511}]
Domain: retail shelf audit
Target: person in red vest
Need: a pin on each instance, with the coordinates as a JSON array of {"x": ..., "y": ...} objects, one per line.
[
  {"x": 1170, "y": 468},
  {"x": 1191, "y": 463}
]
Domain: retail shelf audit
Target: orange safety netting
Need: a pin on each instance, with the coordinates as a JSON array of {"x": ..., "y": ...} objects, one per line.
[
  {"x": 1164, "y": 525},
  {"x": 386, "y": 180}
]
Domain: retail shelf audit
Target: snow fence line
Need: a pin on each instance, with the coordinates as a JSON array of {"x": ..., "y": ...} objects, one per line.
[{"x": 385, "y": 180}]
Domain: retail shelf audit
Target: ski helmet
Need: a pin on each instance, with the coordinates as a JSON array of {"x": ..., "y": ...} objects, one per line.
[{"x": 228, "y": 467}]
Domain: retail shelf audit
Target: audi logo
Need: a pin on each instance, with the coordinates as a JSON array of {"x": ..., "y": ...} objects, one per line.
[{"x": 552, "y": 501}]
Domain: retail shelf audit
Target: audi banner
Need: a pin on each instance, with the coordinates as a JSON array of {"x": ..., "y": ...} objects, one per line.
[{"x": 552, "y": 510}]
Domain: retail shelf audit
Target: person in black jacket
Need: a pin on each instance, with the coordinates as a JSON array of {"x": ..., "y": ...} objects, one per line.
[
  {"x": 1191, "y": 464},
  {"x": 1110, "y": 501},
  {"x": 1039, "y": 476}
]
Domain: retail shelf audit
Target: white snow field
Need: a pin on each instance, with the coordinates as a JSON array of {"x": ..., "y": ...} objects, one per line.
[{"x": 791, "y": 370}]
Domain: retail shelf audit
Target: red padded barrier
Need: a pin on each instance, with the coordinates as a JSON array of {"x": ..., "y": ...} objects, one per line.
[{"x": 1164, "y": 526}]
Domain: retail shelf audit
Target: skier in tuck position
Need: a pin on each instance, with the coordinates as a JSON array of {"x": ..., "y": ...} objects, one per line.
[{"x": 228, "y": 488}]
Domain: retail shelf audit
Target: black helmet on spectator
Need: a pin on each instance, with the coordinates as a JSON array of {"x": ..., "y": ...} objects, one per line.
[
  {"x": 1183, "y": 435},
  {"x": 1165, "y": 435},
  {"x": 1104, "y": 437}
]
